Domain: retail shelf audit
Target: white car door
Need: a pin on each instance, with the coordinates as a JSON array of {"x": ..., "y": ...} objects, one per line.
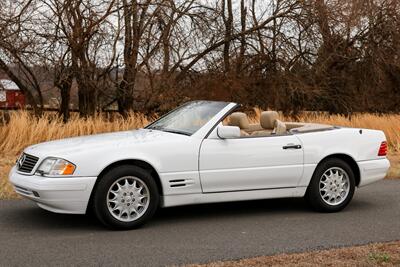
[{"x": 250, "y": 163}]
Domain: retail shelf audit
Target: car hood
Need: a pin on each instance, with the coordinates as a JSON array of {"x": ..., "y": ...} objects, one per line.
[{"x": 101, "y": 142}]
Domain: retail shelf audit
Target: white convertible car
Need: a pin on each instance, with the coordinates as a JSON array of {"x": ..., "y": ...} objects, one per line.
[{"x": 201, "y": 152}]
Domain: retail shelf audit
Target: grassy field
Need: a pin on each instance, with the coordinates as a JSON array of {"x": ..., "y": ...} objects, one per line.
[
  {"x": 381, "y": 254},
  {"x": 22, "y": 130}
]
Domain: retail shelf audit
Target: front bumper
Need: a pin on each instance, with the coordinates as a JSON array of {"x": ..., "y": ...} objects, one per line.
[
  {"x": 60, "y": 195},
  {"x": 373, "y": 170}
]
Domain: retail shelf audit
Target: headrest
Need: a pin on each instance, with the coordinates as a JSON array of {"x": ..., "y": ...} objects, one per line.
[
  {"x": 280, "y": 127},
  {"x": 268, "y": 118},
  {"x": 239, "y": 119}
]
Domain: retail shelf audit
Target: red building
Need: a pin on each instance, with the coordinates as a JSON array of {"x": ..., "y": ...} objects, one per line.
[{"x": 10, "y": 95}]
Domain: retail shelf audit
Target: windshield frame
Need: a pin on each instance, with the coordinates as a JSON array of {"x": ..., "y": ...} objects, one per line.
[{"x": 177, "y": 131}]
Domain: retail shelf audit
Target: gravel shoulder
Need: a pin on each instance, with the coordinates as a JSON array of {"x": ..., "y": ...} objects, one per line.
[{"x": 378, "y": 254}]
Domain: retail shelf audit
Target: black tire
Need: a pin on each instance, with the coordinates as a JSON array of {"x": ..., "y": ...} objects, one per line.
[
  {"x": 313, "y": 195},
  {"x": 100, "y": 194}
]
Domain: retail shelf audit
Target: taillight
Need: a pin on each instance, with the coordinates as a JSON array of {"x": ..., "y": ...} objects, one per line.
[{"x": 383, "y": 149}]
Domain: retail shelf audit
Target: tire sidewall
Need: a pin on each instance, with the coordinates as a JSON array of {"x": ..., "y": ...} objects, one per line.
[
  {"x": 100, "y": 197},
  {"x": 313, "y": 195}
]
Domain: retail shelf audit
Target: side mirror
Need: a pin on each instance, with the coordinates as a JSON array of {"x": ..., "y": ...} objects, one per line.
[{"x": 225, "y": 132}]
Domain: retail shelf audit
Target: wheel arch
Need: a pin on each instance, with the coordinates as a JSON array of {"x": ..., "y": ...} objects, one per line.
[
  {"x": 349, "y": 160},
  {"x": 133, "y": 162}
]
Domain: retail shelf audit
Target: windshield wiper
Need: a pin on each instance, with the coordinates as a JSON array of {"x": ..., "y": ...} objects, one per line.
[
  {"x": 175, "y": 131},
  {"x": 160, "y": 128},
  {"x": 155, "y": 128}
]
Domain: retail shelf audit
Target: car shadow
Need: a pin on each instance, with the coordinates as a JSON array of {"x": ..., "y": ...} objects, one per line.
[
  {"x": 235, "y": 209},
  {"x": 32, "y": 217}
]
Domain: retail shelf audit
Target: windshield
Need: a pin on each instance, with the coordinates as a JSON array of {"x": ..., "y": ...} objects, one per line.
[{"x": 189, "y": 118}]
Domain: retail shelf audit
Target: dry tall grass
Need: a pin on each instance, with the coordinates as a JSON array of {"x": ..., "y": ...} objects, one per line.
[{"x": 23, "y": 130}]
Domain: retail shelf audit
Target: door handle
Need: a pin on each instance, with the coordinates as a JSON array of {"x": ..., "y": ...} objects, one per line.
[{"x": 291, "y": 146}]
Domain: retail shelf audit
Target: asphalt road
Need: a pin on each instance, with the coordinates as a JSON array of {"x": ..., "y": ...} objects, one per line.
[{"x": 197, "y": 234}]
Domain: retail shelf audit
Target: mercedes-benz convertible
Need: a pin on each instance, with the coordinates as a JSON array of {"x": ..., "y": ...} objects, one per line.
[{"x": 201, "y": 152}]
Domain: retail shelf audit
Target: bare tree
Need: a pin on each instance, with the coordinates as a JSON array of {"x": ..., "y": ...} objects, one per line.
[
  {"x": 227, "y": 15},
  {"x": 82, "y": 23},
  {"x": 243, "y": 17},
  {"x": 17, "y": 46},
  {"x": 151, "y": 54}
]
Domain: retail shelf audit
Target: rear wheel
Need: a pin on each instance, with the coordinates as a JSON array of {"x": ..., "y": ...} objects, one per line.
[
  {"x": 125, "y": 197},
  {"x": 332, "y": 186}
]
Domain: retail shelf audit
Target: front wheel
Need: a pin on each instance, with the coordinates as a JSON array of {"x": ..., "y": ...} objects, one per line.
[
  {"x": 125, "y": 197},
  {"x": 332, "y": 186}
]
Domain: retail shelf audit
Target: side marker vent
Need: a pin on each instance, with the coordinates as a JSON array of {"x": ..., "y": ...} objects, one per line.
[{"x": 181, "y": 182}]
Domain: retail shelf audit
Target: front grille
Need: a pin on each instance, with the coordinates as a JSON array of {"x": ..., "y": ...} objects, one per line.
[{"x": 26, "y": 163}]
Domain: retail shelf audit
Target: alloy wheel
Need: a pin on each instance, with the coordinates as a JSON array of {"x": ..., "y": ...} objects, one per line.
[
  {"x": 334, "y": 186},
  {"x": 128, "y": 198}
]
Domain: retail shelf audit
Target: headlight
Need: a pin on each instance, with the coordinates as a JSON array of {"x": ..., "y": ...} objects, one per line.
[{"x": 56, "y": 167}]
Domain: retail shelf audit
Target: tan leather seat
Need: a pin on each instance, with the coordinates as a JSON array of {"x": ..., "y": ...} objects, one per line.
[
  {"x": 267, "y": 119},
  {"x": 267, "y": 122},
  {"x": 240, "y": 120},
  {"x": 280, "y": 128},
  {"x": 243, "y": 133},
  {"x": 270, "y": 124}
]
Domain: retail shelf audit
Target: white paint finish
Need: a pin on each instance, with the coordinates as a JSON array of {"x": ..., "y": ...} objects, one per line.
[
  {"x": 62, "y": 195},
  {"x": 360, "y": 147},
  {"x": 225, "y": 132},
  {"x": 166, "y": 152},
  {"x": 191, "y": 179},
  {"x": 56, "y": 206},
  {"x": 249, "y": 163},
  {"x": 308, "y": 171},
  {"x": 373, "y": 170},
  {"x": 179, "y": 200},
  {"x": 349, "y": 141}
]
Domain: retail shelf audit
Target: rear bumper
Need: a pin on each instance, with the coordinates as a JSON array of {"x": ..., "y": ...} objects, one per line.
[
  {"x": 373, "y": 170},
  {"x": 60, "y": 195}
]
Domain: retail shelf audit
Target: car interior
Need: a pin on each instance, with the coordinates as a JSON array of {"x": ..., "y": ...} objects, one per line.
[{"x": 269, "y": 125}]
